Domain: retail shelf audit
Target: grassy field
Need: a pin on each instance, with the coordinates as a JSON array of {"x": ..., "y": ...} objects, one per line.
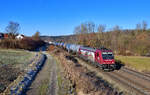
[
  {"x": 15, "y": 57},
  {"x": 12, "y": 63},
  {"x": 137, "y": 62}
]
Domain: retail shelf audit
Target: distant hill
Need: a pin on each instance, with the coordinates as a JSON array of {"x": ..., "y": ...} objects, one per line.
[{"x": 67, "y": 38}]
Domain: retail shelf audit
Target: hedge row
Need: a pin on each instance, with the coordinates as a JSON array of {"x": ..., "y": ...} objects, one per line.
[{"x": 26, "y": 43}]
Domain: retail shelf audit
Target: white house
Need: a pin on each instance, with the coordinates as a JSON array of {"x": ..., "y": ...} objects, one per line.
[{"x": 19, "y": 36}]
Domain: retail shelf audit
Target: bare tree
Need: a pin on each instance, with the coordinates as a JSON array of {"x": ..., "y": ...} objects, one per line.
[
  {"x": 36, "y": 36},
  {"x": 141, "y": 26},
  {"x": 144, "y": 25},
  {"x": 81, "y": 32},
  {"x": 115, "y": 35},
  {"x": 12, "y": 29},
  {"x": 138, "y": 28},
  {"x": 101, "y": 28},
  {"x": 77, "y": 30},
  {"x": 101, "y": 36},
  {"x": 90, "y": 27}
]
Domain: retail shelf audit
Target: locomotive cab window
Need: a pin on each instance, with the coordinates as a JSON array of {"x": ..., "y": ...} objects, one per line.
[{"x": 107, "y": 55}]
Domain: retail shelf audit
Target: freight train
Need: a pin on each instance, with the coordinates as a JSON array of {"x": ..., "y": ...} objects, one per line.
[{"x": 101, "y": 57}]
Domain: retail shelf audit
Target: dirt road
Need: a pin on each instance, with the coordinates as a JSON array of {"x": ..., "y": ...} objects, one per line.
[{"x": 46, "y": 81}]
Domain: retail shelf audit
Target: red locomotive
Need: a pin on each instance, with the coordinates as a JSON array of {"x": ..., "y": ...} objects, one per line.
[{"x": 102, "y": 57}]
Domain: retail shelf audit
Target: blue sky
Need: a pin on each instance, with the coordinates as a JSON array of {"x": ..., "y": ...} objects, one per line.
[{"x": 60, "y": 17}]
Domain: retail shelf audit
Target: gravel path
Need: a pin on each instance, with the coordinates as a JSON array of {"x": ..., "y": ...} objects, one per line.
[{"x": 46, "y": 81}]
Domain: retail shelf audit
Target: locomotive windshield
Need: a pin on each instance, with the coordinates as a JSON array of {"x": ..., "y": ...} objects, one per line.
[{"x": 107, "y": 55}]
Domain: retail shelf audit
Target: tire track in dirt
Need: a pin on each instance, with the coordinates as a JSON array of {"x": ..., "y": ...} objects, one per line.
[{"x": 53, "y": 79}]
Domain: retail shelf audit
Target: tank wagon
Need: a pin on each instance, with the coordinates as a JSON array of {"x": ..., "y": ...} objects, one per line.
[{"x": 101, "y": 57}]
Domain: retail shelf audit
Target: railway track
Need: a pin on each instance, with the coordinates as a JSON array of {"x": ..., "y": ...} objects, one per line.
[
  {"x": 135, "y": 86},
  {"x": 139, "y": 81},
  {"x": 134, "y": 81},
  {"x": 139, "y": 74}
]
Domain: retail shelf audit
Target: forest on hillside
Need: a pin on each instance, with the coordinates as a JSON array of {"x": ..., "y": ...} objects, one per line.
[{"x": 121, "y": 41}]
